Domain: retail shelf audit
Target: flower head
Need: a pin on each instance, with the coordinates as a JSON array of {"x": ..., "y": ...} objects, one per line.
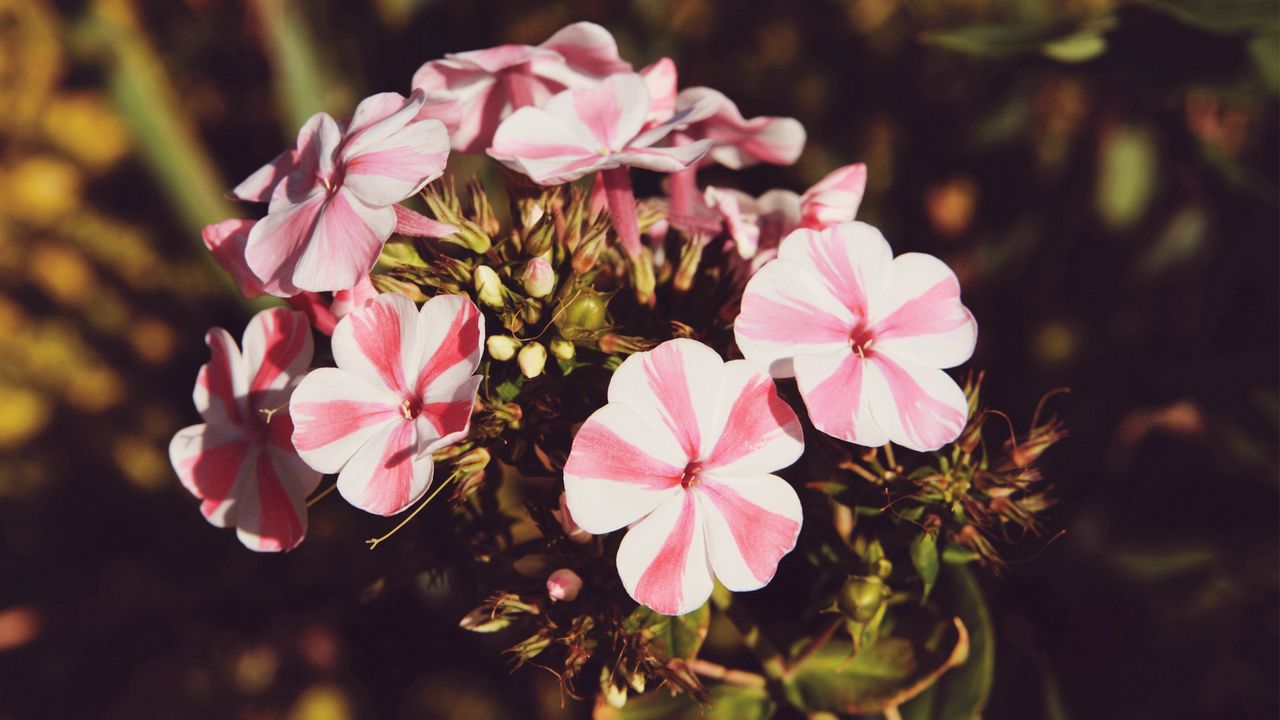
[
  {"x": 332, "y": 197},
  {"x": 865, "y": 335},
  {"x": 403, "y": 388},
  {"x": 240, "y": 461},
  {"x": 491, "y": 83},
  {"x": 684, "y": 453}
]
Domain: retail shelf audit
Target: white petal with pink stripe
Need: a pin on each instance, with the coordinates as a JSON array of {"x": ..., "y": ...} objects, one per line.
[{"x": 683, "y": 453}]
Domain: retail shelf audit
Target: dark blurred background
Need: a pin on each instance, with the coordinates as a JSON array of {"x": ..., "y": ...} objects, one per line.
[{"x": 1102, "y": 174}]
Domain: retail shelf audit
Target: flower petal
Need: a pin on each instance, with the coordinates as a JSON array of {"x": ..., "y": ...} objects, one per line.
[
  {"x": 922, "y": 318},
  {"x": 259, "y": 186},
  {"x": 317, "y": 146},
  {"x": 450, "y": 331},
  {"x": 445, "y": 416},
  {"x": 663, "y": 559},
  {"x": 227, "y": 240},
  {"x": 737, "y": 141},
  {"x": 852, "y": 260},
  {"x": 835, "y": 198},
  {"x": 788, "y": 311},
  {"x": 277, "y": 351},
  {"x": 272, "y": 505},
  {"x": 335, "y": 413},
  {"x": 208, "y": 458},
  {"x": 539, "y": 145},
  {"x": 381, "y": 343},
  {"x": 751, "y": 522},
  {"x": 222, "y": 385},
  {"x": 384, "y": 477},
  {"x": 619, "y": 470},
  {"x": 761, "y": 432},
  {"x": 676, "y": 388},
  {"x": 919, "y": 407},
  {"x": 586, "y": 48},
  {"x": 277, "y": 241},
  {"x": 837, "y": 398},
  {"x": 660, "y": 78},
  {"x": 663, "y": 159},
  {"x": 392, "y": 168},
  {"x": 343, "y": 246},
  {"x": 612, "y": 112}
]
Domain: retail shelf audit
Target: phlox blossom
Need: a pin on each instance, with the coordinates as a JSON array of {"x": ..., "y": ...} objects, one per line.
[
  {"x": 240, "y": 461},
  {"x": 403, "y": 388},
  {"x": 865, "y": 335},
  {"x": 491, "y": 83},
  {"x": 332, "y": 199},
  {"x": 684, "y": 453}
]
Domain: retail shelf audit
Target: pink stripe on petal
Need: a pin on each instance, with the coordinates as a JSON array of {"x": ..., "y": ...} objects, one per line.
[
  {"x": 599, "y": 111},
  {"x": 377, "y": 332},
  {"x": 211, "y": 474},
  {"x": 390, "y": 488},
  {"x": 936, "y": 310},
  {"x": 758, "y": 415},
  {"x": 665, "y": 372},
  {"x": 279, "y": 527},
  {"x": 285, "y": 335},
  {"x": 460, "y": 342},
  {"x": 762, "y": 537},
  {"x": 789, "y": 320},
  {"x": 217, "y": 377},
  {"x": 929, "y": 421},
  {"x": 319, "y": 424},
  {"x": 448, "y": 417},
  {"x": 661, "y": 586},
  {"x": 599, "y": 453}
]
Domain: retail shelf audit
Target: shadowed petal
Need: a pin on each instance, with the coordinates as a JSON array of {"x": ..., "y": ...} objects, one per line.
[
  {"x": 335, "y": 413},
  {"x": 384, "y": 477}
]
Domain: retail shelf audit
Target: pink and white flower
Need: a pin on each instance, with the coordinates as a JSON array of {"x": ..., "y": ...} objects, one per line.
[
  {"x": 332, "y": 198},
  {"x": 240, "y": 461},
  {"x": 865, "y": 334},
  {"x": 757, "y": 225},
  {"x": 597, "y": 129},
  {"x": 493, "y": 82},
  {"x": 684, "y": 453},
  {"x": 736, "y": 141},
  {"x": 403, "y": 388}
]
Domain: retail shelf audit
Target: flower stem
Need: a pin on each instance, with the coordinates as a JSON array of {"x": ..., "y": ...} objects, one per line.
[
  {"x": 731, "y": 676},
  {"x": 622, "y": 208},
  {"x": 373, "y": 542},
  {"x": 771, "y": 660}
]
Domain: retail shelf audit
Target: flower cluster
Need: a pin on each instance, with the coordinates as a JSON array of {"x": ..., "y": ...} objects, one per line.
[{"x": 583, "y": 334}]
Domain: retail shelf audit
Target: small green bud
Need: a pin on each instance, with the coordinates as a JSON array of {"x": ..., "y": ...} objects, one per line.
[
  {"x": 586, "y": 312},
  {"x": 861, "y": 597},
  {"x": 488, "y": 286},
  {"x": 532, "y": 359},
  {"x": 502, "y": 347},
  {"x": 563, "y": 349}
]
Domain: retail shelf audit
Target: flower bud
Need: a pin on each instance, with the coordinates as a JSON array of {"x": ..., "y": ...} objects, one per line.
[
  {"x": 502, "y": 347},
  {"x": 611, "y": 343},
  {"x": 532, "y": 359},
  {"x": 563, "y": 585},
  {"x": 563, "y": 349},
  {"x": 583, "y": 317},
  {"x": 488, "y": 286},
  {"x": 861, "y": 597},
  {"x": 642, "y": 279},
  {"x": 539, "y": 278},
  {"x": 571, "y": 529}
]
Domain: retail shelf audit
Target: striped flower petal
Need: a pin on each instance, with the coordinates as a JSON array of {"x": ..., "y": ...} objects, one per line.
[
  {"x": 751, "y": 523},
  {"x": 662, "y": 560}
]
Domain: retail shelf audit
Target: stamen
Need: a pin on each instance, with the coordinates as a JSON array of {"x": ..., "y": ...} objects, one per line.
[
  {"x": 406, "y": 409},
  {"x": 689, "y": 477}
]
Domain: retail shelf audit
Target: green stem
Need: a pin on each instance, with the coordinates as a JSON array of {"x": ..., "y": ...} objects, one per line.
[{"x": 772, "y": 662}]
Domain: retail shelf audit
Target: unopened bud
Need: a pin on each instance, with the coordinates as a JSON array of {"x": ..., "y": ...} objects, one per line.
[
  {"x": 563, "y": 585},
  {"x": 586, "y": 312},
  {"x": 571, "y": 529},
  {"x": 642, "y": 279},
  {"x": 690, "y": 258},
  {"x": 539, "y": 278},
  {"x": 388, "y": 284},
  {"x": 861, "y": 597},
  {"x": 563, "y": 349},
  {"x": 502, "y": 347},
  {"x": 612, "y": 343},
  {"x": 588, "y": 252},
  {"x": 532, "y": 359},
  {"x": 488, "y": 286}
]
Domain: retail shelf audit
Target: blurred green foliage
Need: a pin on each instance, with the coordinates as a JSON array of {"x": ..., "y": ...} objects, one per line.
[{"x": 1102, "y": 175}]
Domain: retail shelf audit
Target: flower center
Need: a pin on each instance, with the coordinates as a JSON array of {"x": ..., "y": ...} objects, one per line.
[
  {"x": 689, "y": 477},
  {"x": 861, "y": 340},
  {"x": 410, "y": 408}
]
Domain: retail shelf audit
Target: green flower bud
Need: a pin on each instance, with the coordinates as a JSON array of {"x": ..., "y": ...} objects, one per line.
[
  {"x": 586, "y": 312},
  {"x": 488, "y": 286},
  {"x": 502, "y": 347},
  {"x": 563, "y": 349},
  {"x": 861, "y": 597}
]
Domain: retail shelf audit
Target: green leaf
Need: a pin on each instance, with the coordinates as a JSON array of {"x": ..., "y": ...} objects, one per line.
[
  {"x": 1219, "y": 16},
  {"x": 1127, "y": 171},
  {"x": 886, "y": 673},
  {"x": 678, "y": 637},
  {"x": 924, "y": 555},
  {"x": 1003, "y": 40},
  {"x": 961, "y": 693}
]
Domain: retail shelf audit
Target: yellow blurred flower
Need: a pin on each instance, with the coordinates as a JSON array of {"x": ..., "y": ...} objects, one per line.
[
  {"x": 84, "y": 126},
  {"x": 41, "y": 189},
  {"x": 23, "y": 414}
]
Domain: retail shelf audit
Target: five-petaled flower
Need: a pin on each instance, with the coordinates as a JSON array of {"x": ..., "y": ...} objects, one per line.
[
  {"x": 865, "y": 335},
  {"x": 597, "y": 129},
  {"x": 332, "y": 198},
  {"x": 240, "y": 461},
  {"x": 491, "y": 83},
  {"x": 403, "y": 388},
  {"x": 684, "y": 452}
]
